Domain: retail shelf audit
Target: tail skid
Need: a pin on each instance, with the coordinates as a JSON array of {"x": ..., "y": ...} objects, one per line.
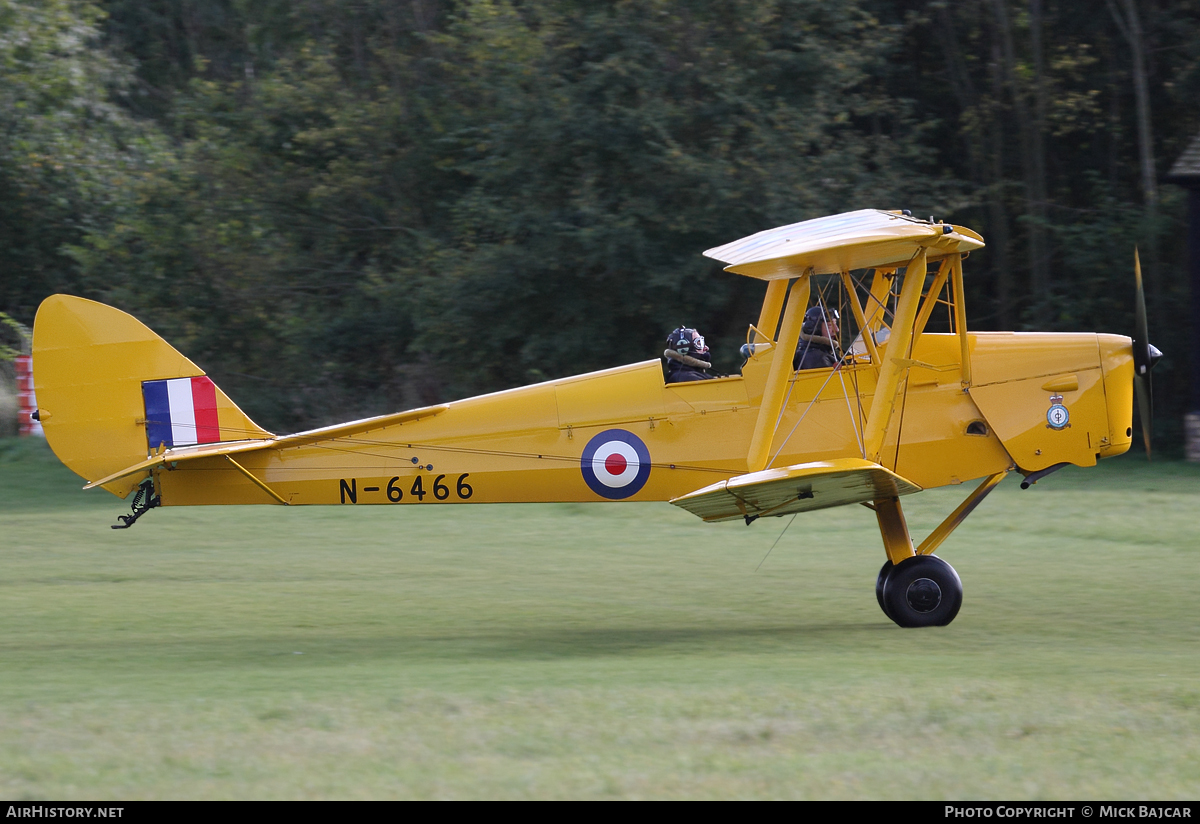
[{"x": 144, "y": 501}]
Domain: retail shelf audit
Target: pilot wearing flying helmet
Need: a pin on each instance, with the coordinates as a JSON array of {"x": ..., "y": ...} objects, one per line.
[
  {"x": 818, "y": 336},
  {"x": 687, "y": 356}
]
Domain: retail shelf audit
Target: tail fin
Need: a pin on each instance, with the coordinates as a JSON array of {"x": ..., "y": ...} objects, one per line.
[{"x": 110, "y": 392}]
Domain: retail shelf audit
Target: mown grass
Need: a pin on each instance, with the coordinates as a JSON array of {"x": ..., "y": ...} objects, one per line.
[{"x": 595, "y": 650}]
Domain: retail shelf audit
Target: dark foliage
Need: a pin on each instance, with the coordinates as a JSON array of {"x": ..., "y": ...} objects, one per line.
[{"x": 345, "y": 209}]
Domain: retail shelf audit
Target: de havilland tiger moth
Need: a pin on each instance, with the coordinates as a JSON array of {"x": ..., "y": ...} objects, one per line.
[{"x": 914, "y": 401}]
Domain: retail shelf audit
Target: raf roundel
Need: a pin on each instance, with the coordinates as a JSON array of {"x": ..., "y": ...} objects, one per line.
[{"x": 615, "y": 464}]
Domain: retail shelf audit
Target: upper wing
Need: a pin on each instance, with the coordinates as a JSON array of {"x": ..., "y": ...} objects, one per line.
[
  {"x": 798, "y": 488},
  {"x": 828, "y": 245}
]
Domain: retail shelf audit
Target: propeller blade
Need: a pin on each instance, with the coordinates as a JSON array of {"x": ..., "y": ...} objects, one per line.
[
  {"x": 1145, "y": 400},
  {"x": 1141, "y": 334},
  {"x": 1145, "y": 355}
]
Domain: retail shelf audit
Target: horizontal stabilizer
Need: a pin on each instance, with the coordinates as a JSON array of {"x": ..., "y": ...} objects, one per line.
[
  {"x": 182, "y": 453},
  {"x": 855, "y": 240},
  {"x": 798, "y": 488},
  {"x": 345, "y": 430}
]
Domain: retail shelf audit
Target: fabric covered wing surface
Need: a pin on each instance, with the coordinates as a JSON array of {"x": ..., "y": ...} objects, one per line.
[{"x": 798, "y": 488}]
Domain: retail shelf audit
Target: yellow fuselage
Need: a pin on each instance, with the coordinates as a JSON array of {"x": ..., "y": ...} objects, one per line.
[{"x": 527, "y": 444}]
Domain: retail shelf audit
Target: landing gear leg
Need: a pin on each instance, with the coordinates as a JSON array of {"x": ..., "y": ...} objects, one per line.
[
  {"x": 896, "y": 541},
  {"x": 916, "y": 589},
  {"x": 894, "y": 529},
  {"x": 913, "y": 590}
]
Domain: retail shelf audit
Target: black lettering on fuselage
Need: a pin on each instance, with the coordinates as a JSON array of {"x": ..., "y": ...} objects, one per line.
[{"x": 349, "y": 490}]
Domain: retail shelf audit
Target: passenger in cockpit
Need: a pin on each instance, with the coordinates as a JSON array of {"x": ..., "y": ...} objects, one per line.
[
  {"x": 818, "y": 337},
  {"x": 687, "y": 356}
]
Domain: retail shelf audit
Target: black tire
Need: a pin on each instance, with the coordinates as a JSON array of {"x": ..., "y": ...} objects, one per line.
[
  {"x": 884, "y": 572},
  {"x": 922, "y": 591}
]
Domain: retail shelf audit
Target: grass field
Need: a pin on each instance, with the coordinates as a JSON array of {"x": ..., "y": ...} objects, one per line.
[{"x": 565, "y": 651}]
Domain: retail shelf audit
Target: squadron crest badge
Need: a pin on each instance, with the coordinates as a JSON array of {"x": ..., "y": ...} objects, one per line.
[{"x": 1057, "y": 416}]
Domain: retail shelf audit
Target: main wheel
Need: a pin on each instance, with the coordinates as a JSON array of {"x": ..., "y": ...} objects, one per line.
[
  {"x": 922, "y": 591},
  {"x": 884, "y": 572}
]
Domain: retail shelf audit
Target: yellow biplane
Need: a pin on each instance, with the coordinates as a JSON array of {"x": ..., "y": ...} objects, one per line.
[{"x": 915, "y": 401}]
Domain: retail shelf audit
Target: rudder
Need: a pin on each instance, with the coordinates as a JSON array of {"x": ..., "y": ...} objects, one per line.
[{"x": 110, "y": 392}]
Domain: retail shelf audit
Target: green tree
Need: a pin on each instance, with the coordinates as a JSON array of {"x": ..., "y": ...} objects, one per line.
[
  {"x": 67, "y": 152},
  {"x": 410, "y": 208},
  {"x": 603, "y": 148},
  {"x": 378, "y": 205}
]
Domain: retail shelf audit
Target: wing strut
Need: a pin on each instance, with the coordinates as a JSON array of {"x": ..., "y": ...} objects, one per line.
[
  {"x": 960, "y": 320},
  {"x": 931, "y": 298},
  {"x": 777, "y": 377},
  {"x": 860, "y": 318},
  {"x": 895, "y": 365},
  {"x": 768, "y": 316}
]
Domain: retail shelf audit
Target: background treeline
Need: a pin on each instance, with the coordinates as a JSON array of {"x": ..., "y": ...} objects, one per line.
[{"x": 345, "y": 208}]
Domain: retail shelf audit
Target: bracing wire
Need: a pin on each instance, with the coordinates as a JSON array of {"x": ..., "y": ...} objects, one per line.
[
  {"x": 807, "y": 409},
  {"x": 777, "y": 540},
  {"x": 850, "y": 410},
  {"x": 836, "y": 370}
]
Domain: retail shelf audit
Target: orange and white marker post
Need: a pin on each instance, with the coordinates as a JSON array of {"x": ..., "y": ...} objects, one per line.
[{"x": 26, "y": 401}]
